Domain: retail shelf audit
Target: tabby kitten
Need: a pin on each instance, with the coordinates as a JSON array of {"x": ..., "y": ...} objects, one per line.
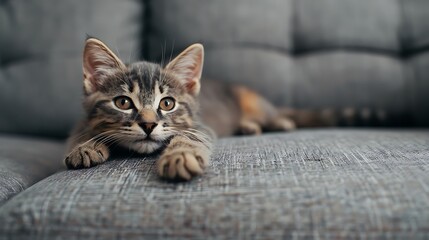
[{"x": 149, "y": 108}]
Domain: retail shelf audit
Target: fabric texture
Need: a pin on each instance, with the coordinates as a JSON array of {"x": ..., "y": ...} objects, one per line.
[
  {"x": 317, "y": 184},
  {"x": 24, "y": 161},
  {"x": 306, "y": 54},
  {"x": 41, "y": 45}
]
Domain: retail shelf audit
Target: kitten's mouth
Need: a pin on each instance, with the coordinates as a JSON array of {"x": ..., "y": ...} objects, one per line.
[
  {"x": 145, "y": 145},
  {"x": 146, "y": 139}
]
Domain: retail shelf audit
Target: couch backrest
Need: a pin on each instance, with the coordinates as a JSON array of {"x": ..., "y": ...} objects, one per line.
[
  {"x": 307, "y": 53},
  {"x": 300, "y": 53},
  {"x": 41, "y": 46}
]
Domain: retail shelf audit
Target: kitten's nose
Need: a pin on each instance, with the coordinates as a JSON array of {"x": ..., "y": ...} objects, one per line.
[{"x": 148, "y": 127}]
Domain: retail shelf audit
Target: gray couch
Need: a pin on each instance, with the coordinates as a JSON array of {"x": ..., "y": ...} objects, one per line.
[{"x": 310, "y": 183}]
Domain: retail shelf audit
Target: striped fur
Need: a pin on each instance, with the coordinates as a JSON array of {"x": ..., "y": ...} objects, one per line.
[{"x": 185, "y": 143}]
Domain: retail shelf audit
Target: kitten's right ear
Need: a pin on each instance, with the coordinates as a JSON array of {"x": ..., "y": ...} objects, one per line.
[
  {"x": 98, "y": 62},
  {"x": 188, "y": 67}
]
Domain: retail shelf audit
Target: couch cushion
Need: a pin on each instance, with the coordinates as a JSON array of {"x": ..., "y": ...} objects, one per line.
[
  {"x": 313, "y": 54},
  {"x": 415, "y": 27},
  {"x": 419, "y": 69},
  {"x": 334, "y": 79},
  {"x": 220, "y": 23},
  {"x": 319, "y": 184},
  {"x": 24, "y": 161},
  {"x": 365, "y": 24},
  {"x": 41, "y": 44}
]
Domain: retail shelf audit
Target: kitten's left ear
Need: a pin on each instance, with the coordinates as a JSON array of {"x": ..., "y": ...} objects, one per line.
[{"x": 188, "y": 67}]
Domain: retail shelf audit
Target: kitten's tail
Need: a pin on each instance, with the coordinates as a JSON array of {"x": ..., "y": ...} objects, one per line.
[{"x": 347, "y": 117}]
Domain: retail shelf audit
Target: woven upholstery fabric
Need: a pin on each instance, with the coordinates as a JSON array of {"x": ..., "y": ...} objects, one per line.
[
  {"x": 41, "y": 45},
  {"x": 306, "y": 53},
  {"x": 24, "y": 161},
  {"x": 318, "y": 183}
]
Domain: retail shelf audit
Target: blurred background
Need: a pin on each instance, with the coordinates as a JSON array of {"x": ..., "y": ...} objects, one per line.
[{"x": 311, "y": 54}]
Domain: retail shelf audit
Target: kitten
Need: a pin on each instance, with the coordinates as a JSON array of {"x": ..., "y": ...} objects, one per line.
[{"x": 149, "y": 108}]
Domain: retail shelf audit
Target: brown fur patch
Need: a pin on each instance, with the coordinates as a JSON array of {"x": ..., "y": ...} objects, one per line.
[{"x": 249, "y": 103}]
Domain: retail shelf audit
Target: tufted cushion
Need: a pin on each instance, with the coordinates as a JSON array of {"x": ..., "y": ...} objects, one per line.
[
  {"x": 419, "y": 68},
  {"x": 221, "y": 23},
  {"x": 331, "y": 24},
  {"x": 415, "y": 28},
  {"x": 40, "y": 57},
  {"x": 306, "y": 184},
  {"x": 306, "y": 53}
]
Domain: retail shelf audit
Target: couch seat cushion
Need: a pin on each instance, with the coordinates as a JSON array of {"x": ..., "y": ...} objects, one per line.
[
  {"x": 312, "y": 183},
  {"x": 24, "y": 161}
]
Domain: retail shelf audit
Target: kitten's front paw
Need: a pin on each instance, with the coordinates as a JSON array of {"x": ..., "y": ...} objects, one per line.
[
  {"x": 86, "y": 156},
  {"x": 182, "y": 164}
]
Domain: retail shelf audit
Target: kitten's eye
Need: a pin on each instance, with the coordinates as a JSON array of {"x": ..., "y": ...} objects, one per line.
[
  {"x": 123, "y": 102},
  {"x": 167, "y": 103}
]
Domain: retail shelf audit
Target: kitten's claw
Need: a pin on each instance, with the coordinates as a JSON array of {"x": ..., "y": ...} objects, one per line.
[
  {"x": 181, "y": 165},
  {"x": 87, "y": 156}
]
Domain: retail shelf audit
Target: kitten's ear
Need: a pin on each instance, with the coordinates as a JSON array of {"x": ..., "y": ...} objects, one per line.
[
  {"x": 98, "y": 62},
  {"x": 188, "y": 67}
]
